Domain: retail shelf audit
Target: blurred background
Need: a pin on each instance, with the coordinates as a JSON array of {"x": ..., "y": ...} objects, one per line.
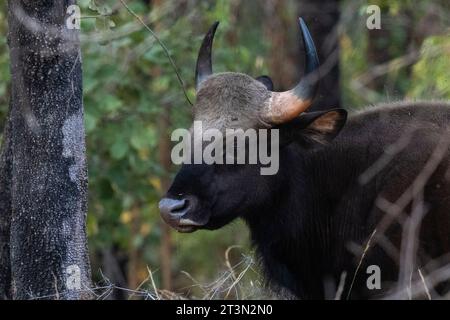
[{"x": 133, "y": 101}]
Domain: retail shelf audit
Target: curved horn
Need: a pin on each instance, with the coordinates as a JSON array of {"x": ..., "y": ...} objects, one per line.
[
  {"x": 204, "y": 64},
  {"x": 285, "y": 106}
]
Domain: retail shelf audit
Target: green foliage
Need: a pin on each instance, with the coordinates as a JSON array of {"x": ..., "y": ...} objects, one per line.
[
  {"x": 429, "y": 73},
  {"x": 403, "y": 24},
  {"x": 128, "y": 81}
]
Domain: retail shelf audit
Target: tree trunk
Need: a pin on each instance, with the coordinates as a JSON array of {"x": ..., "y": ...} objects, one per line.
[
  {"x": 378, "y": 53},
  {"x": 5, "y": 213},
  {"x": 43, "y": 194},
  {"x": 280, "y": 28}
]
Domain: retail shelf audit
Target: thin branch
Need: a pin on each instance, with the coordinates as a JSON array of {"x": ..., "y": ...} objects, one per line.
[
  {"x": 427, "y": 292},
  {"x": 360, "y": 262},
  {"x": 166, "y": 51}
]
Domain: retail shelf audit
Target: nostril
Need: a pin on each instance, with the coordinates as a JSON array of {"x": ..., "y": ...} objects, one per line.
[
  {"x": 173, "y": 207},
  {"x": 177, "y": 205},
  {"x": 181, "y": 207}
]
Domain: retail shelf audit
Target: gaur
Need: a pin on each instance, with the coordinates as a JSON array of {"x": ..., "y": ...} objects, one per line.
[{"x": 346, "y": 189}]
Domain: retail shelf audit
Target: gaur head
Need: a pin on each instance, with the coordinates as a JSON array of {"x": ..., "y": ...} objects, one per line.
[{"x": 206, "y": 196}]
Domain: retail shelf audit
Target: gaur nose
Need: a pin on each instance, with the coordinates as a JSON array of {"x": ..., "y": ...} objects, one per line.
[{"x": 173, "y": 208}]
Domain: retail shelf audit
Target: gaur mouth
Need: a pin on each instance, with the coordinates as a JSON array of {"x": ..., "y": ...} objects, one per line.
[{"x": 187, "y": 226}]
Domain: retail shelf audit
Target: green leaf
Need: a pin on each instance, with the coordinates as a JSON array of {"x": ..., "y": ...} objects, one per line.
[
  {"x": 90, "y": 122},
  {"x": 111, "y": 103},
  {"x": 143, "y": 139},
  {"x": 119, "y": 149}
]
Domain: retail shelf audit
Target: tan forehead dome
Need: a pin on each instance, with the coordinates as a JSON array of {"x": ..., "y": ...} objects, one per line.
[{"x": 237, "y": 100}]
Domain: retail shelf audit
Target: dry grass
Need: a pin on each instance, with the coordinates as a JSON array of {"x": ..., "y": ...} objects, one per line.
[{"x": 240, "y": 281}]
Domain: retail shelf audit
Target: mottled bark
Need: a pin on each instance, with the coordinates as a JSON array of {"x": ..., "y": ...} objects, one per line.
[
  {"x": 47, "y": 164},
  {"x": 5, "y": 213}
]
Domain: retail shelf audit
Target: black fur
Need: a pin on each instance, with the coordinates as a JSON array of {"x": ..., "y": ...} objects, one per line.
[{"x": 305, "y": 220}]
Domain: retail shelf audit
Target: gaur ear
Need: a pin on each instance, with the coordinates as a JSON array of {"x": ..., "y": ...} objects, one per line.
[
  {"x": 265, "y": 80},
  {"x": 314, "y": 128}
]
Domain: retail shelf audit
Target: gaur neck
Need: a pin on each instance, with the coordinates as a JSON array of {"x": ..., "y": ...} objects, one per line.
[{"x": 301, "y": 236}]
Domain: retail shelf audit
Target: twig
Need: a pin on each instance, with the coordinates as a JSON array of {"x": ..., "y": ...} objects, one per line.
[
  {"x": 395, "y": 209},
  {"x": 408, "y": 249},
  {"x": 166, "y": 51},
  {"x": 341, "y": 286},
  {"x": 153, "y": 282},
  {"x": 236, "y": 281},
  {"x": 360, "y": 263},
  {"x": 228, "y": 264},
  {"x": 387, "y": 156},
  {"x": 427, "y": 292},
  {"x": 433, "y": 279}
]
